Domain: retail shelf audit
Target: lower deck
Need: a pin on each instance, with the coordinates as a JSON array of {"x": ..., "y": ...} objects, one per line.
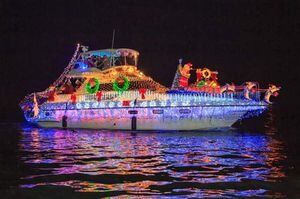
[{"x": 148, "y": 118}]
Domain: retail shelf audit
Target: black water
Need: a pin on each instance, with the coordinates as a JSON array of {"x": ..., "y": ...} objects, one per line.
[{"x": 53, "y": 163}]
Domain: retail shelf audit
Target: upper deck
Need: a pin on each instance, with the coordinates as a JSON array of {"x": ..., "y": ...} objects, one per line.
[
  {"x": 107, "y": 58},
  {"x": 108, "y": 66}
]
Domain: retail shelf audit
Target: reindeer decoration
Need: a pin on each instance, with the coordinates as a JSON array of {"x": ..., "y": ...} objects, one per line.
[
  {"x": 247, "y": 89},
  {"x": 227, "y": 88},
  {"x": 272, "y": 91}
]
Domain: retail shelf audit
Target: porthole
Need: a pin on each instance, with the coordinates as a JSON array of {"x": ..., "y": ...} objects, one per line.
[
  {"x": 158, "y": 111},
  {"x": 133, "y": 112},
  {"x": 184, "y": 111}
]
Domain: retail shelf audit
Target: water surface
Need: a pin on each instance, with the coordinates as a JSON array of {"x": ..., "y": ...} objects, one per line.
[{"x": 90, "y": 163}]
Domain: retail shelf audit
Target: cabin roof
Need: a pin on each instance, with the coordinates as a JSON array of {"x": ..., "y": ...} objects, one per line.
[{"x": 112, "y": 52}]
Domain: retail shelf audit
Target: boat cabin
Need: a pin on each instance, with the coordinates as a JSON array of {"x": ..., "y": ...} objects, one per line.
[
  {"x": 108, "y": 67},
  {"x": 107, "y": 58}
]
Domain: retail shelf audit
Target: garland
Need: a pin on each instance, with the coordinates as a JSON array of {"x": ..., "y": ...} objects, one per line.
[
  {"x": 125, "y": 86},
  {"x": 93, "y": 90}
]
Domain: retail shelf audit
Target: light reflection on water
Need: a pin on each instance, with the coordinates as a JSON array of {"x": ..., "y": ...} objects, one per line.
[{"x": 194, "y": 164}]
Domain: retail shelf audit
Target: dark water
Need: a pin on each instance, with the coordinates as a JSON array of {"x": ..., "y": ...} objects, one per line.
[{"x": 53, "y": 163}]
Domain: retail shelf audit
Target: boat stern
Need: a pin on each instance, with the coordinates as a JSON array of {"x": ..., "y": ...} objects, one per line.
[{"x": 255, "y": 110}]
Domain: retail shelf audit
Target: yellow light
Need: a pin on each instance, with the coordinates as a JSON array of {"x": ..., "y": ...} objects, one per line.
[
  {"x": 213, "y": 84},
  {"x": 130, "y": 70},
  {"x": 114, "y": 72}
]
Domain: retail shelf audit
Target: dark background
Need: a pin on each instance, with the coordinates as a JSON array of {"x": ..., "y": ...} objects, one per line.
[{"x": 243, "y": 40}]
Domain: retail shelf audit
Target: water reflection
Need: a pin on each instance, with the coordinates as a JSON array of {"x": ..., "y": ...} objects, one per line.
[{"x": 198, "y": 164}]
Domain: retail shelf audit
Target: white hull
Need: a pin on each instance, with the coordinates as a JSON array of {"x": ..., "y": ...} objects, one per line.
[
  {"x": 142, "y": 124},
  {"x": 167, "y": 118}
]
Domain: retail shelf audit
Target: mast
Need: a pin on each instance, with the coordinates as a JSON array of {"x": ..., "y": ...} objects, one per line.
[{"x": 112, "y": 60}]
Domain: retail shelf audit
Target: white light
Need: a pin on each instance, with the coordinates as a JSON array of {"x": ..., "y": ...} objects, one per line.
[
  {"x": 152, "y": 103},
  {"x": 111, "y": 104},
  {"x": 95, "y": 104},
  {"x": 119, "y": 104},
  {"x": 78, "y": 106},
  {"x": 163, "y": 103},
  {"x": 131, "y": 103},
  {"x": 144, "y": 104}
]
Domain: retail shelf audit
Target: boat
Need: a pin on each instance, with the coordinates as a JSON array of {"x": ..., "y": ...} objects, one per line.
[{"x": 105, "y": 89}]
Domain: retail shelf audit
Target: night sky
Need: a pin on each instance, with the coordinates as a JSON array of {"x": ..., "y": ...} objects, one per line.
[{"x": 243, "y": 40}]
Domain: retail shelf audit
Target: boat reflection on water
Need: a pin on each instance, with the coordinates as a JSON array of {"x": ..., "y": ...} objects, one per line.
[{"x": 197, "y": 164}]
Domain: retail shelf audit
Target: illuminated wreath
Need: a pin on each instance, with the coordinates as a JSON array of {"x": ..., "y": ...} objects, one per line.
[
  {"x": 121, "y": 89},
  {"x": 206, "y": 73},
  {"x": 94, "y": 89}
]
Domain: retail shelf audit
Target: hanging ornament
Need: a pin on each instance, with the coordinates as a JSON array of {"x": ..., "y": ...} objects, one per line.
[
  {"x": 213, "y": 84},
  {"x": 92, "y": 86},
  {"x": 206, "y": 73},
  {"x": 99, "y": 96},
  {"x": 126, "y": 103},
  {"x": 142, "y": 92},
  {"x": 214, "y": 75},
  {"x": 73, "y": 99},
  {"x": 201, "y": 84},
  {"x": 123, "y": 88},
  {"x": 51, "y": 95}
]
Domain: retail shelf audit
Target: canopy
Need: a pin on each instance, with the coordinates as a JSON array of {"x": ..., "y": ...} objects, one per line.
[{"x": 112, "y": 52}]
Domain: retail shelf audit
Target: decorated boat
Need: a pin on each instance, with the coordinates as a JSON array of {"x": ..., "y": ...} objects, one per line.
[{"x": 104, "y": 89}]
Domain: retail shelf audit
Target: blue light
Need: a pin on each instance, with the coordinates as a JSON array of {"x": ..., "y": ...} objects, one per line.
[{"x": 82, "y": 65}]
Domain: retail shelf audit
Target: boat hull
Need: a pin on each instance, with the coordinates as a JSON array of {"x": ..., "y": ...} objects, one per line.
[
  {"x": 148, "y": 118},
  {"x": 142, "y": 124}
]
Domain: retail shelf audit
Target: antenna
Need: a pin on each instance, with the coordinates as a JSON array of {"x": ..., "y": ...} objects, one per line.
[
  {"x": 113, "y": 39},
  {"x": 112, "y": 60}
]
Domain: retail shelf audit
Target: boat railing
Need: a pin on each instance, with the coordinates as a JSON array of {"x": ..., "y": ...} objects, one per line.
[
  {"x": 254, "y": 96},
  {"x": 152, "y": 95}
]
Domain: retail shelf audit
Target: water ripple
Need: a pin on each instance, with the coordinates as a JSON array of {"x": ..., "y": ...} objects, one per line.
[{"x": 190, "y": 164}]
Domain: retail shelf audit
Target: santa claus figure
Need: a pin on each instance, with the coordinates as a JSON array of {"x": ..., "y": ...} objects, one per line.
[{"x": 185, "y": 75}]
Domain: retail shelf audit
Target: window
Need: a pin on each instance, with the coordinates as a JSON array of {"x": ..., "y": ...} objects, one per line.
[
  {"x": 184, "y": 111},
  {"x": 133, "y": 112},
  {"x": 158, "y": 111}
]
